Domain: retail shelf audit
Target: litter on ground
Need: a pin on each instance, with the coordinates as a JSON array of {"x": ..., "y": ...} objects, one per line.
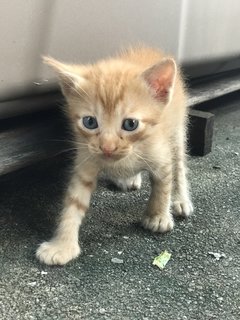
[{"x": 161, "y": 260}]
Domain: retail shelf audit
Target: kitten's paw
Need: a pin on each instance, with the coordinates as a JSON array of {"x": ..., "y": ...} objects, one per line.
[
  {"x": 182, "y": 208},
  {"x": 132, "y": 183},
  {"x": 158, "y": 223},
  {"x": 57, "y": 252}
]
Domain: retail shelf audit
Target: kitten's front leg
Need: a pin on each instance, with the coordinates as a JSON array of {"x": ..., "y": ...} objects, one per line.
[
  {"x": 182, "y": 205},
  {"x": 158, "y": 217},
  {"x": 64, "y": 246}
]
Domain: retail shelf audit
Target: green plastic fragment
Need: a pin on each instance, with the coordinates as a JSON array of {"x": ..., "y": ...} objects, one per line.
[{"x": 162, "y": 259}]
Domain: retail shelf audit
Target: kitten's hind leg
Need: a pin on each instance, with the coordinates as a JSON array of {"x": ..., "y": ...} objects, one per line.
[{"x": 128, "y": 184}]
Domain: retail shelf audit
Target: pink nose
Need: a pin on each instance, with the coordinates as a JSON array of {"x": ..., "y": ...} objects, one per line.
[{"x": 108, "y": 150}]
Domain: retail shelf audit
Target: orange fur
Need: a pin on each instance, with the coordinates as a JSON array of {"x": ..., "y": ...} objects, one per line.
[{"x": 140, "y": 84}]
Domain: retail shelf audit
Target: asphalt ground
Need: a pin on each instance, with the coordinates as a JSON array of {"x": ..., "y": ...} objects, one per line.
[{"x": 193, "y": 285}]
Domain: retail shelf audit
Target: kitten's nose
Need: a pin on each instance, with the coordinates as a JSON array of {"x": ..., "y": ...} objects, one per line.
[{"x": 108, "y": 149}]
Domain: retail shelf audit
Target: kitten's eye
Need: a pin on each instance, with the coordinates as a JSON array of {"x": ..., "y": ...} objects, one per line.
[
  {"x": 130, "y": 124},
  {"x": 90, "y": 122}
]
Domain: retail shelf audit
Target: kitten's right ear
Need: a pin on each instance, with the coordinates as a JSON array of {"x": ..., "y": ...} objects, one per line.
[
  {"x": 161, "y": 79},
  {"x": 69, "y": 80}
]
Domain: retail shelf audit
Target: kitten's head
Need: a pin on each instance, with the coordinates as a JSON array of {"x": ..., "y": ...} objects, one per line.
[{"x": 115, "y": 107}]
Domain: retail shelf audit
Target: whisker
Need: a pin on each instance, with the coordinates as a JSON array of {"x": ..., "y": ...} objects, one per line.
[
  {"x": 144, "y": 160},
  {"x": 83, "y": 161},
  {"x": 65, "y": 151},
  {"x": 126, "y": 161},
  {"x": 71, "y": 141}
]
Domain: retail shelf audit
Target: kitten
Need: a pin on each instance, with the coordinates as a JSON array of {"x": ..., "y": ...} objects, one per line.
[{"x": 128, "y": 114}]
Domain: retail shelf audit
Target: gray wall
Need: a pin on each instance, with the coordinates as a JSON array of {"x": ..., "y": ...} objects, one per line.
[{"x": 85, "y": 30}]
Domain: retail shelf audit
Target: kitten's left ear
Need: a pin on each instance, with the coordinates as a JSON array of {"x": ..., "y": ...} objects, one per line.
[
  {"x": 69, "y": 80},
  {"x": 161, "y": 79}
]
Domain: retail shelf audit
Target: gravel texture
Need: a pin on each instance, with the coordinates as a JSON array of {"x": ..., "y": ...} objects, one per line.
[{"x": 193, "y": 285}]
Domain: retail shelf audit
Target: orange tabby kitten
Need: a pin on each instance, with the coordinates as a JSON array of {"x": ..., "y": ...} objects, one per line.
[{"x": 128, "y": 114}]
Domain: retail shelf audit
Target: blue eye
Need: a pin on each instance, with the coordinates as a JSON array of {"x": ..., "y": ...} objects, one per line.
[
  {"x": 129, "y": 124},
  {"x": 90, "y": 122}
]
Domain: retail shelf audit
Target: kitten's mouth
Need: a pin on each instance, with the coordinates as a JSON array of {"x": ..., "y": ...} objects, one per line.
[{"x": 112, "y": 157}]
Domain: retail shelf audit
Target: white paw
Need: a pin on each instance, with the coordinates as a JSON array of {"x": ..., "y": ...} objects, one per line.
[
  {"x": 132, "y": 183},
  {"x": 182, "y": 208},
  {"x": 57, "y": 252},
  {"x": 158, "y": 223}
]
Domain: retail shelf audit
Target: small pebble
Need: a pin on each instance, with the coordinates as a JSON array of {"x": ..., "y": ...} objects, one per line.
[
  {"x": 116, "y": 260},
  {"x": 32, "y": 284},
  {"x": 217, "y": 255},
  {"x": 102, "y": 310}
]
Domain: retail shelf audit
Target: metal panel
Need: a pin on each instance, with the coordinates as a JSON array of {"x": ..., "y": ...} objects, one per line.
[
  {"x": 88, "y": 30},
  {"x": 84, "y": 31},
  {"x": 24, "y": 30},
  {"x": 209, "y": 30}
]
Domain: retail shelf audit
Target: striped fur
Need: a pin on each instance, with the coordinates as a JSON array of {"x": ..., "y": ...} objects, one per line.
[{"x": 141, "y": 84}]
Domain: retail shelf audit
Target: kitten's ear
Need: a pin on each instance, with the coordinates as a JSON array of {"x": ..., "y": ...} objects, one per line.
[
  {"x": 161, "y": 79},
  {"x": 69, "y": 80}
]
